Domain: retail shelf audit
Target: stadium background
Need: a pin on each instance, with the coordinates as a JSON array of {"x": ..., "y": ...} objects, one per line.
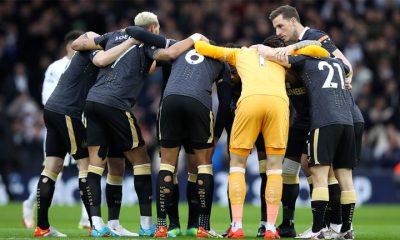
[{"x": 31, "y": 34}]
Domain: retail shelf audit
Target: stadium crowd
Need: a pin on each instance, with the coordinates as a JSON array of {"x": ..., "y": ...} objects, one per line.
[{"x": 31, "y": 35}]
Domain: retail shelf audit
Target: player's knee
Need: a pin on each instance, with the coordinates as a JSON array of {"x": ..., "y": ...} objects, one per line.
[
  {"x": 290, "y": 171},
  {"x": 142, "y": 169}
]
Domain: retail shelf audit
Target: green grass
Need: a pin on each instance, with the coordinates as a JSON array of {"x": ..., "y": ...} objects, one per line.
[{"x": 370, "y": 222}]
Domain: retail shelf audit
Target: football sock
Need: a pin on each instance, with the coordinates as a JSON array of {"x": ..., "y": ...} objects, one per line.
[
  {"x": 94, "y": 193},
  {"x": 114, "y": 196},
  {"x": 144, "y": 191},
  {"x": 45, "y": 192},
  {"x": 348, "y": 201},
  {"x": 262, "y": 169},
  {"x": 319, "y": 202},
  {"x": 165, "y": 188},
  {"x": 83, "y": 192},
  {"x": 273, "y": 194},
  {"x": 193, "y": 202},
  {"x": 205, "y": 190},
  {"x": 237, "y": 193},
  {"x": 173, "y": 210}
]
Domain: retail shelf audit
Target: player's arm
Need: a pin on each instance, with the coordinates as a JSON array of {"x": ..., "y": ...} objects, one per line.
[
  {"x": 349, "y": 76},
  {"x": 86, "y": 42},
  {"x": 224, "y": 91},
  {"x": 105, "y": 58},
  {"x": 147, "y": 37},
  {"x": 215, "y": 52},
  {"x": 177, "y": 49}
]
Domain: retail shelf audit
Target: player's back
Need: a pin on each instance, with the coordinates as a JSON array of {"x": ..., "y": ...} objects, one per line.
[
  {"x": 192, "y": 75},
  {"x": 259, "y": 76},
  {"x": 324, "y": 80},
  {"x": 70, "y": 94},
  {"x": 119, "y": 84}
]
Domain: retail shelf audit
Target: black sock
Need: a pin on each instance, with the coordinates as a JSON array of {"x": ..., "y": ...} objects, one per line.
[
  {"x": 144, "y": 191},
  {"x": 205, "y": 189},
  {"x": 318, "y": 209},
  {"x": 173, "y": 210},
  {"x": 83, "y": 188},
  {"x": 193, "y": 203},
  {"x": 94, "y": 193},
  {"x": 347, "y": 216},
  {"x": 289, "y": 197},
  {"x": 311, "y": 189},
  {"x": 229, "y": 203},
  {"x": 114, "y": 198},
  {"x": 334, "y": 209},
  {"x": 262, "y": 197},
  {"x": 44, "y": 196},
  {"x": 165, "y": 188}
]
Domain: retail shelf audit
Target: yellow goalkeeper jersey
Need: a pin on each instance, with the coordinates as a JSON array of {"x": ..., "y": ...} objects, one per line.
[{"x": 259, "y": 76}]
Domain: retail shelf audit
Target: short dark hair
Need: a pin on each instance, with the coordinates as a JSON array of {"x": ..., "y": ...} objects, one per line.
[
  {"x": 286, "y": 11},
  {"x": 72, "y": 35},
  {"x": 274, "y": 41}
]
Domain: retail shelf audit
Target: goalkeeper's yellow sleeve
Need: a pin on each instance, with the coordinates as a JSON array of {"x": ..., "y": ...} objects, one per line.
[
  {"x": 215, "y": 52},
  {"x": 313, "y": 51}
]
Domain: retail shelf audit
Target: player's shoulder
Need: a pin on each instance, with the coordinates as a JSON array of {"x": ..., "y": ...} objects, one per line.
[{"x": 314, "y": 34}]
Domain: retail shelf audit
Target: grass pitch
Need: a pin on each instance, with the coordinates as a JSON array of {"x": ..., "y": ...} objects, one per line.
[{"x": 370, "y": 222}]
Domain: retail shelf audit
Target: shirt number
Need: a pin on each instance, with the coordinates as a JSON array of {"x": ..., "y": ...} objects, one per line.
[{"x": 328, "y": 81}]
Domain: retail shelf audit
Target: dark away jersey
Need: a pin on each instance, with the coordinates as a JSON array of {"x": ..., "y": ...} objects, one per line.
[
  {"x": 324, "y": 81},
  {"x": 298, "y": 97},
  {"x": 192, "y": 75},
  {"x": 119, "y": 84},
  {"x": 70, "y": 94}
]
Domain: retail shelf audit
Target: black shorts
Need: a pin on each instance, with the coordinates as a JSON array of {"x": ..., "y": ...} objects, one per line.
[
  {"x": 358, "y": 132},
  {"x": 332, "y": 144},
  {"x": 185, "y": 120},
  {"x": 64, "y": 135},
  {"x": 297, "y": 143},
  {"x": 186, "y": 146},
  {"x": 114, "y": 130},
  {"x": 260, "y": 144}
]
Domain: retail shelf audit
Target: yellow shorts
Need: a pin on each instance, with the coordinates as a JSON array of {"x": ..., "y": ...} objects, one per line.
[{"x": 260, "y": 113}]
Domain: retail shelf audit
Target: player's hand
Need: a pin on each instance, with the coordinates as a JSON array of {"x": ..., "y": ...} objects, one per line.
[
  {"x": 348, "y": 86},
  {"x": 204, "y": 38},
  {"x": 133, "y": 41}
]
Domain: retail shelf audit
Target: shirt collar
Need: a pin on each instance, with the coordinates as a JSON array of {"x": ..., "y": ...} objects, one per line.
[{"x": 303, "y": 32}]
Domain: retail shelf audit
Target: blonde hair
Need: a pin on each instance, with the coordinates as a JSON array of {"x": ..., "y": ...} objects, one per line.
[{"x": 145, "y": 19}]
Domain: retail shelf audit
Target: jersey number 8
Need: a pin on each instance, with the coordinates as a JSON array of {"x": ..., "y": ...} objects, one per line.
[{"x": 192, "y": 57}]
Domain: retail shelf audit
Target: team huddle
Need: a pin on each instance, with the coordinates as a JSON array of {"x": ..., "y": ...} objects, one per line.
[{"x": 89, "y": 115}]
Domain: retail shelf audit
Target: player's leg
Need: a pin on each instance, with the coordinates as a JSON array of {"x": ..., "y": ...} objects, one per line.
[
  {"x": 333, "y": 214},
  {"x": 323, "y": 143},
  {"x": 200, "y": 126},
  {"x": 275, "y": 133},
  {"x": 191, "y": 195},
  {"x": 116, "y": 169},
  {"x": 170, "y": 136},
  {"x": 97, "y": 138},
  {"x": 174, "y": 228},
  {"x": 56, "y": 149},
  {"x": 296, "y": 150},
  {"x": 343, "y": 165},
  {"x": 86, "y": 220},
  {"x": 245, "y": 129},
  {"x": 262, "y": 167}
]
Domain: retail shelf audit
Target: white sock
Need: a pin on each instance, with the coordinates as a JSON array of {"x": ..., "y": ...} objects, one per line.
[
  {"x": 84, "y": 215},
  {"x": 236, "y": 225},
  {"x": 263, "y": 223},
  {"x": 97, "y": 222},
  {"x": 335, "y": 227},
  {"x": 32, "y": 197},
  {"x": 146, "y": 222},
  {"x": 270, "y": 227},
  {"x": 113, "y": 223}
]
